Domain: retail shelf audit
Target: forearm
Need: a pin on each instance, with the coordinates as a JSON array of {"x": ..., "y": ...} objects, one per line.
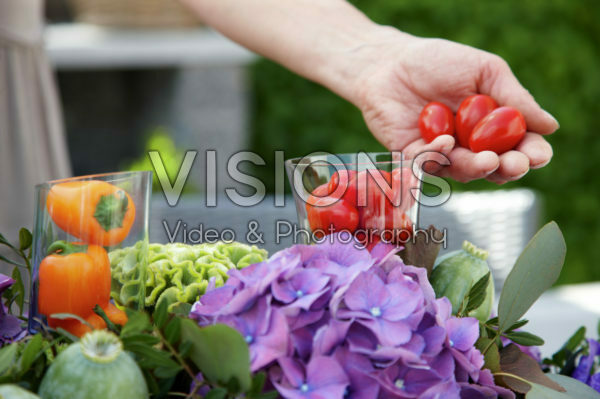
[{"x": 317, "y": 39}]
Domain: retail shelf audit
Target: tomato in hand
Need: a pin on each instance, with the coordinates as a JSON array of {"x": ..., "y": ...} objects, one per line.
[
  {"x": 338, "y": 216},
  {"x": 500, "y": 131},
  {"x": 471, "y": 111},
  {"x": 435, "y": 120}
]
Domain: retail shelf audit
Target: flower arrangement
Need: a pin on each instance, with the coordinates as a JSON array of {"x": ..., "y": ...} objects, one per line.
[{"x": 333, "y": 321}]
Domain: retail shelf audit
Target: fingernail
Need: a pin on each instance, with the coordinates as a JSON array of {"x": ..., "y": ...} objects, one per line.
[
  {"x": 540, "y": 165},
  {"x": 519, "y": 176},
  {"x": 549, "y": 115}
]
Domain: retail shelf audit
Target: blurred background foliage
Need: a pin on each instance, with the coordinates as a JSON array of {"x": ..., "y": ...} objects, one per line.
[{"x": 553, "y": 47}]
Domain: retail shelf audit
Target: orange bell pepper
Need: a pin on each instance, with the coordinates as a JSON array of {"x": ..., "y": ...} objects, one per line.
[
  {"x": 73, "y": 279},
  {"x": 94, "y": 211}
]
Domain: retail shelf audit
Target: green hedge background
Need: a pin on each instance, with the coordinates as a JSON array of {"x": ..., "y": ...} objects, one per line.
[{"x": 553, "y": 47}]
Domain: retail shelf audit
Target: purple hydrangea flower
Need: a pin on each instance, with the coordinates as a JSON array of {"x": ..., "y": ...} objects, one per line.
[
  {"x": 322, "y": 377},
  {"x": 584, "y": 371},
  {"x": 11, "y": 327},
  {"x": 334, "y": 321}
]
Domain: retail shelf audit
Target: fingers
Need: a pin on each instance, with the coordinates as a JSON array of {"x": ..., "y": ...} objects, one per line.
[
  {"x": 513, "y": 166},
  {"x": 499, "y": 82},
  {"x": 537, "y": 149},
  {"x": 442, "y": 144},
  {"x": 466, "y": 165}
]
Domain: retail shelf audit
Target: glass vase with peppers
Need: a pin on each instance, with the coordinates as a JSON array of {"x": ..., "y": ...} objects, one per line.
[
  {"x": 372, "y": 197},
  {"x": 77, "y": 223}
]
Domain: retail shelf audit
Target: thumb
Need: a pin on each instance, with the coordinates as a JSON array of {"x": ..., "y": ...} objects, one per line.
[{"x": 499, "y": 82}]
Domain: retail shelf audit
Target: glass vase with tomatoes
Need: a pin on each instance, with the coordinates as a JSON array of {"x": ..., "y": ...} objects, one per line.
[
  {"x": 370, "y": 197},
  {"x": 78, "y": 222}
]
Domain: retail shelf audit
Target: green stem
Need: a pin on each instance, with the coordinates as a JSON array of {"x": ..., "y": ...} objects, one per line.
[
  {"x": 62, "y": 247},
  {"x": 492, "y": 342},
  {"x": 516, "y": 377},
  {"x": 175, "y": 354}
]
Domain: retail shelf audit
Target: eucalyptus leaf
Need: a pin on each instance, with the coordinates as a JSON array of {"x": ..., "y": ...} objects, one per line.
[
  {"x": 573, "y": 387},
  {"x": 220, "y": 352},
  {"x": 524, "y": 338},
  {"x": 518, "y": 371},
  {"x": 536, "y": 269},
  {"x": 517, "y": 325}
]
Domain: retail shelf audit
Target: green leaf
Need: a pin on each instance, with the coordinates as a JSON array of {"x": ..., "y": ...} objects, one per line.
[
  {"x": 19, "y": 288},
  {"x": 138, "y": 322},
  {"x": 492, "y": 322},
  {"x": 220, "y": 352},
  {"x": 536, "y": 269},
  {"x": 31, "y": 352},
  {"x": 477, "y": 293},
  {"x": 574, "y": 389},
  {"x": 216, "y": 393},
  {"x": 268, "y": 395},
  {"x": 65, "y": 316},
  {"x": 67, "y": 334},
  {"x": 524, "y": 338},
  {"x": 167, "y": 372},
  {"x": 149, "y": 357},
  {"x": 7, "y": 357},
  {"x": 173, "y": 330},
  {"x": 492, "y": 356},
  {"x": 258, "y": 383},
  {"x": 144, "y": 339},
  {"x": 567, "y": 351},
  {"x": 111, "y": 326},
  {"x": 161, "y": 314},
  {"x": 4, "y": 241},
  {"x": 519, "y": 367},
  {"x": 517, "y": 325},
  {"x": 12, "y": 262},
  {"x": 25, "y": 239}
]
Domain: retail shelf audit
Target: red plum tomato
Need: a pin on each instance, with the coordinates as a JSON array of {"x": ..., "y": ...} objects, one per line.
[
  {"x": 435, "y": 120},
  {"x": 471, "y": 111},
  {"x": 500, "y": 131}
]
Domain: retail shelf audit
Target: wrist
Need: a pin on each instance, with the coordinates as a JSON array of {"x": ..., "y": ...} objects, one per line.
[{"x": 347, "y": 65}]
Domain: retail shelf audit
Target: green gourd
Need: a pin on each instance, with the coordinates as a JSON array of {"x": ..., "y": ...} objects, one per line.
[
  {"x": 456, "y": 272},
  {"x": 10, "y": 391},
  {"x": 94, "y": 368}
]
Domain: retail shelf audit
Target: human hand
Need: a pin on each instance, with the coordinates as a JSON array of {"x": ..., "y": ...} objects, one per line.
[{"x": 398, "y": 74}]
